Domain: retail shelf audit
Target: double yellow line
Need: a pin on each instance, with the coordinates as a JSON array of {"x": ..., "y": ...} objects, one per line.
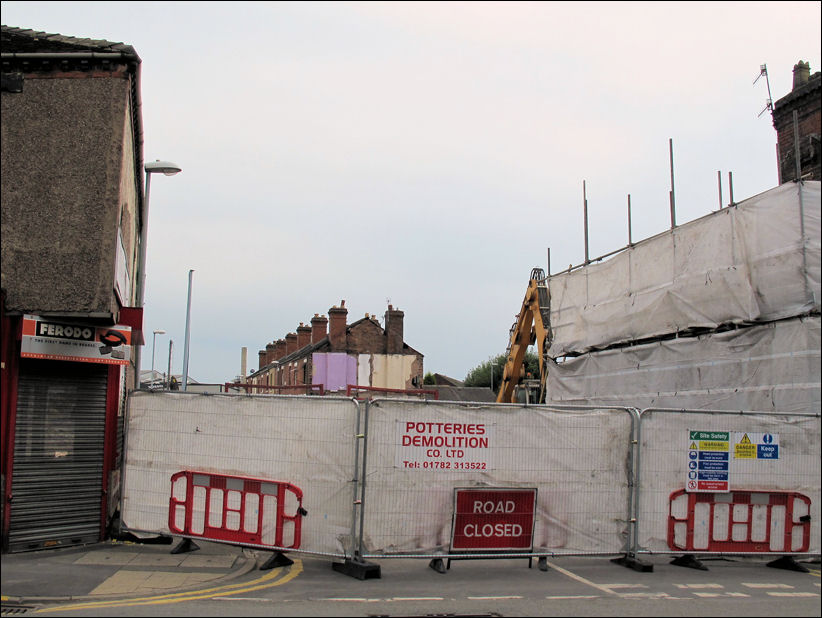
[{"x": 276, "y": 577}]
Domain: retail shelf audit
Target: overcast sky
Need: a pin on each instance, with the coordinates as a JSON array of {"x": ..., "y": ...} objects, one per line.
[{"x": 426, "y": 155}]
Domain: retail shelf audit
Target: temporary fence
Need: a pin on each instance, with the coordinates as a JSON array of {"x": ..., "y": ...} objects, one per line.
[
  {"x": 433, "y": 479},
  {"x": 728, "y": 482},
  {"x": 302, "y": 444},
  {"x": 420, "y": 455}
]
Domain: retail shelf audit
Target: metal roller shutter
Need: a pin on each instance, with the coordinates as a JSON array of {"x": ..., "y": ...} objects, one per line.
[{"x": 58, "y": 455}]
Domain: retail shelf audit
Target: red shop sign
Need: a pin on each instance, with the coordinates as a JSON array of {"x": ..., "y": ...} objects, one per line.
[{"x": 493, "y": 519}]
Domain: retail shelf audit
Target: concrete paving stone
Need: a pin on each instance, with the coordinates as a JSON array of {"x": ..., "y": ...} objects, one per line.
[
  {"x": 204, "y": 561},
  {"x": 157, "y": 560},
  {"x": 122, "y": 582},
  {"x": 115, "y": 558}
]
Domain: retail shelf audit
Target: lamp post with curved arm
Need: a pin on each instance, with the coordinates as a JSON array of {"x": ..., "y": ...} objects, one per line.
[{"x": 153, "y": 167}]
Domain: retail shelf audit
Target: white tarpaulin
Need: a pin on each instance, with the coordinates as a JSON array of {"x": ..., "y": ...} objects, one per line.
[
  {"x": 746, "y": 263},
  {"x": 307, "y": 442},
  {"x": 771, "y": 367}
]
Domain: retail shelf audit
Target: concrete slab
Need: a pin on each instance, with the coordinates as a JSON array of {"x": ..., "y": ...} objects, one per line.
[
  {"x": 199, "y": 561},
  {"x": 149, "y": 582},
  {"x": 114, "y": 558},
  {"x": 154, "y": 560}
]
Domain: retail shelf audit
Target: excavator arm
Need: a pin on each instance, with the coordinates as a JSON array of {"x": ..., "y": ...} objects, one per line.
[{"x": 531, "y": 327}]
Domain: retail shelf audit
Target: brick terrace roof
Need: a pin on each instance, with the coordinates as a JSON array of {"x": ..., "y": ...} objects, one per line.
[{"x": 22, "y": 40}]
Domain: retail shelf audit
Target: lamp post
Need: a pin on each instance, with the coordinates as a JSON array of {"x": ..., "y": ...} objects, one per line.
[
  {"x": 153, "y": 341},
  {"x": 153, "y": 167},
  {"x": 188, "y": 332}
]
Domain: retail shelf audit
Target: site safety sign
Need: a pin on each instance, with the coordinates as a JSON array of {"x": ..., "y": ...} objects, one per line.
[
  {"x": 756, "y": 445},
  {"x": 488, "y": 519},
  {"x": 708, "y": 461}
]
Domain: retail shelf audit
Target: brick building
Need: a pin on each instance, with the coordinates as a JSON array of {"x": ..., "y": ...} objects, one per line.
[
  {"x": 72, "y": 217},
  {"x": 804, "y": 101},
  {"x": 334, "y": 354}
]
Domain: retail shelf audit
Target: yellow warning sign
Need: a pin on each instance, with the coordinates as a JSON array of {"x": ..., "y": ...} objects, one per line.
[
  {"x": 711, "y": 445},
  {"x": 744, "y": 451},
  {"x": 745, "y": 439},
  {"x": 693, "y": 446}
]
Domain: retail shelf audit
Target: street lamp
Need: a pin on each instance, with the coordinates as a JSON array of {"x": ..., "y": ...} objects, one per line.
[
  {"x": 153, "y": 167},
  {"x": 153, "y": 341}
]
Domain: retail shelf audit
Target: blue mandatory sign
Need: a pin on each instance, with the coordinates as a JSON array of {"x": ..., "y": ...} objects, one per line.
[
  {"x": 692, "y": 454},
  {"x": 692, "y": 465},
  {"x": 713, "y": 465},
  {"x": 713, "y": 456},
  {"x": 767, "y": 438},
  {"x": 713, "y": 476},
  {"x": 765, "y": 451}
]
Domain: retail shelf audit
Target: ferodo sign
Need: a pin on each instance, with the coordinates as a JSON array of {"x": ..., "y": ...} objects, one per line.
[
  {"x": 47, "y": 338},
  {"x": 493, "y": 519}
]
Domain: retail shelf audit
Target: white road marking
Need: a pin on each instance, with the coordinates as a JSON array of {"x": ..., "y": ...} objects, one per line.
[{"x": 581, "y": 579}]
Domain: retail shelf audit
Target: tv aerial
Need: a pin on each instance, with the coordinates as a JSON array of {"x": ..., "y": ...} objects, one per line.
[{"x": 763, "y": 70}]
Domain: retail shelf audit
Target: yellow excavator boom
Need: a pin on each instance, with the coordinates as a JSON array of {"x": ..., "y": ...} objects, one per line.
[{"x": 531, "y": 327}]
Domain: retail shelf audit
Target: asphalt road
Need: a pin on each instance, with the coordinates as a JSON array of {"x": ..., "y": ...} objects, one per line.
[{"x": 576, "y": 586}]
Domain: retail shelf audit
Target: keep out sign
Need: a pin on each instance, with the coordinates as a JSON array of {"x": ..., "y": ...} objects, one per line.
[{"x": 493, "y": 519}]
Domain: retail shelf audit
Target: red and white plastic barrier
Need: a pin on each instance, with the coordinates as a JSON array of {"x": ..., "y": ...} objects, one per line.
[
  {"x": 236, "y": 509},
  {"x": 739, "y": 521}
]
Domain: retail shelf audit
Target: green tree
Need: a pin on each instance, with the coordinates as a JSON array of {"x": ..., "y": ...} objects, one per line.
[
  {"x": 429, "y": 378},
  {"x": 489, "y": 373}
]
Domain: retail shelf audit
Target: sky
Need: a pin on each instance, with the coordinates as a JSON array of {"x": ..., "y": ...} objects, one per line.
[{"x": 426, "y": 155}]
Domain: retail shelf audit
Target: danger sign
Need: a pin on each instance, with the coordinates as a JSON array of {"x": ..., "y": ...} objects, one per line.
[{"x": 493, "y": 519}]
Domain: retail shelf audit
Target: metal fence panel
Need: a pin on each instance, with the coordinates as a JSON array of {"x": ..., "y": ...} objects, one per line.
[
  {"x": 713, "y": 481},
  {"x": 418, "y": 453},
  {"x": 239, "y": 468}
]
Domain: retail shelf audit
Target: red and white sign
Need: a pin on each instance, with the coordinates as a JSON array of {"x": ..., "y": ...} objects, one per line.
[
  {"x": 54, "y": 339},
  {"x": 493, "y": 519},
  {"x": 440, "y": 445}
]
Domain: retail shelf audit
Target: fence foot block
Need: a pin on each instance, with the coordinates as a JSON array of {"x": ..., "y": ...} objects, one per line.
[
  {"x": 689, "y": 561},
  {"x": 185, "y": 546},
  {"x": 357, "y": 568},
  {"x": 632, "y": 562},
  {"x": 542, "y": 563},
  {"x": 438, "y": 565},
  {"x": 788, "y": 563},
  {"x": 276, "y": 559}
]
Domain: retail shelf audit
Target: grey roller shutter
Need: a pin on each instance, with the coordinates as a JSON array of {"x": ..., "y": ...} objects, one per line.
[{"x": 58, "y": 455}]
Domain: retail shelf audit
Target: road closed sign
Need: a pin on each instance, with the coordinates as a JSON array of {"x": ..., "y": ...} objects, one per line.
[{"x": 488, "y": 519}]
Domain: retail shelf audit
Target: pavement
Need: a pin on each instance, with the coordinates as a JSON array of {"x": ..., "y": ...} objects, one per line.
[{"x": 116, "y": 569}]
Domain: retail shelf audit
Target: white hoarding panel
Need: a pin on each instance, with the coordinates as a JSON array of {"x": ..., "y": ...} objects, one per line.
[
  {"x": 725, "y": 482},
  {"x": 244, "y": 455},
  {"x": 418, "y": 453}
]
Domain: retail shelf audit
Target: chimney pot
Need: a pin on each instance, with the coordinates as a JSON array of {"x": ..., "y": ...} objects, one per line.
[{"x": 801, "y": 74}]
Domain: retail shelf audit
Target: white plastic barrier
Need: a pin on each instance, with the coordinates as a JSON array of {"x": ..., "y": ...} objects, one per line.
[
  {"x": 242, "y": 467},
  {"x": 418, "y": 454},
  {"x": 728, "y": 482}
]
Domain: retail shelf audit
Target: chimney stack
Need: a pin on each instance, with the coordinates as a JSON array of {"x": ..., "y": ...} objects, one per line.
[
  {"x": 319, "y": 327},
  {"x": 303, "y": 336},
  {"x": 290, "y": 343},
  {"x": 269, "y": 353},
  {"x": 801, "y": 74},
  {"x": 336, "y": 327},
  {"x": 393, "y": 330},
  {"x": 261, "y": 358},
  {"x": 279, "y": 349},
  {"x": 243, "y": 363}
]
